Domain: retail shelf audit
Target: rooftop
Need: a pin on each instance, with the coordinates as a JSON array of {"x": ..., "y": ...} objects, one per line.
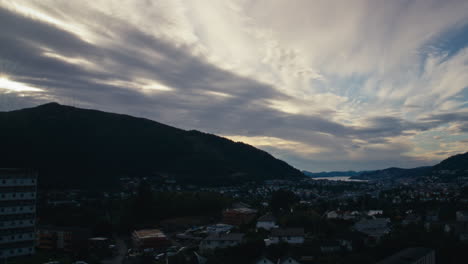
[
  {"x": 281, "y": 232},
  {"x": 409, "y": 255},
  {"x": 148, "y": 233},
  {"x": 267, "y": 218},
  {"x": 225, "y": 237}
]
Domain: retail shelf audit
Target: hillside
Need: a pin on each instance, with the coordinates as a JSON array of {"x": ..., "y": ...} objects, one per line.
[
  {"x": 76, "y": 147},
  {"x": 452, "y": 167},
  {"x": 448, "y": 169},
  {"x": 457, "y": 162},
  {"x": 393, "y": 173}
]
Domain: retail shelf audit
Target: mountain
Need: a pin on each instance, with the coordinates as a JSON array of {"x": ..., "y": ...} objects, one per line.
[
  {"x": 452, "y": 167},
  {"x": 73, "y": 147},
  {"x": 331, "y": 173},
  {"x": 393, "y": 173},
  {"x": 448, "y": 169},
  {"x": 457, "y": 162}
]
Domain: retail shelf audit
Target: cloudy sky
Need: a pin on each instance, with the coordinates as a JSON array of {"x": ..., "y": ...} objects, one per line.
[{"x": 324, "y": 85}]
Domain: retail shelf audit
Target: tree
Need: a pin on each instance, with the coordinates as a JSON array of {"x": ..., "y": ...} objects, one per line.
[{"x": 283, "y": 200}]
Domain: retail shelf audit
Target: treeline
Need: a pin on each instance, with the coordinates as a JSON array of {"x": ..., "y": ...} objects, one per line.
[{"x": 148, "y": 208}]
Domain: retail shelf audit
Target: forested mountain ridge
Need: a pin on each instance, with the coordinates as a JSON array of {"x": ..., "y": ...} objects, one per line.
[{"x": 79, "y": 147}]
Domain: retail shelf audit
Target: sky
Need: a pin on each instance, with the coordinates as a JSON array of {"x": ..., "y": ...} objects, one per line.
[{"x": 324, "y": 85}]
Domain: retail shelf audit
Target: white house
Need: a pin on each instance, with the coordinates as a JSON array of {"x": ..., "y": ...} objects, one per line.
[
  {"x": 214, "y": 241},
  {"x": 267, "y": 222},
  {"x": 288, "y": 235}
]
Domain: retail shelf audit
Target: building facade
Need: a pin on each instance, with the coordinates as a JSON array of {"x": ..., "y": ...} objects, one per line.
[
  {"x": 150, "y": 239},
  {"x": 287, "y": 235},
  {"x": 68, "y": 239},
  {"x": 215, "y": 241},
  {"x": 17, "y": 212},
  {"x": 267, "y": 222}
]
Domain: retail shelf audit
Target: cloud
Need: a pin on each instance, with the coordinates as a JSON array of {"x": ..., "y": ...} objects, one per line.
[{"x": 322, "y": 85}]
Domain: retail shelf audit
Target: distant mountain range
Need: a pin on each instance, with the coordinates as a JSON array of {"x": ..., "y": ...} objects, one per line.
[
  {"x": 73, "y": 147},
  {"x": 449, "y": 168},
  {"x": 325, "y": 174},
  {"x": 393, "y": 173}
]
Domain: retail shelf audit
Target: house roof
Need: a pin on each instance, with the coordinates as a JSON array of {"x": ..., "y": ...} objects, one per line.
[
  {"x": 263, "y": 260},
  {"x": 281, "y": 232},
  {"x": 225, "y": 237},
  {"x": 409, "y": 255},
  {"x": 267, "y": 218},
  {"x": 241, "y": 211},
  {"x": 149, "y": 233},
  {"x": 239, "y": 205}
]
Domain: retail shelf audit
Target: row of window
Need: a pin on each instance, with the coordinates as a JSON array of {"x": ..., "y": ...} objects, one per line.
[
  {"x": 15, "y": 251},
  {"x": 19, "y": 209},
  {"x": 18, "y": 181},
  {"x": 6, "y": 232},
  {"x": 16, "y": 223},
  {"x": 17, "y": 195},
  {"x": 11, "y": 217},
  {"x": 16, "y": 237}
]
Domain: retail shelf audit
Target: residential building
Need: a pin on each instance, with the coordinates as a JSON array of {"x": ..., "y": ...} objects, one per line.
[
  {"x": 375, "y": 228},
  {"x": 432, "y": 216},
  {"x": 411, "y": 219},
  {"x": 214, "y": 241},
  {"x": 238, "y": 216},
  {"x": 330, "y": 246},
  {"x": 267, "y": 222},
  {"x": 17, "y": 212},
  {"x": 462, "y": 216},
  {"x": 68, "y": 239},
  {"x": 287, "y": 235},
  {"x": 150, "y": 239},
  {"x": 219, "y": 228},
  {"x": 411, "y": 256}
]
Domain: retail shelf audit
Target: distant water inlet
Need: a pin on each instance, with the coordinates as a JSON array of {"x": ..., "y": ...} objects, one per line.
[{"x": 339, "y": 178}]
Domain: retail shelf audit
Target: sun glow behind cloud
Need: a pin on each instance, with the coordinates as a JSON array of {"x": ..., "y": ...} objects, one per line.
[{"x": 12, "y": 86}]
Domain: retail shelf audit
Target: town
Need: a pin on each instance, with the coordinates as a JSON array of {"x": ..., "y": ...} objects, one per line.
[{"x": 158, "y": 220}]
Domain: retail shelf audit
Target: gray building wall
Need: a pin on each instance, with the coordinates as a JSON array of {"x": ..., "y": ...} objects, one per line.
[{"x": 17, "y": 212}]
